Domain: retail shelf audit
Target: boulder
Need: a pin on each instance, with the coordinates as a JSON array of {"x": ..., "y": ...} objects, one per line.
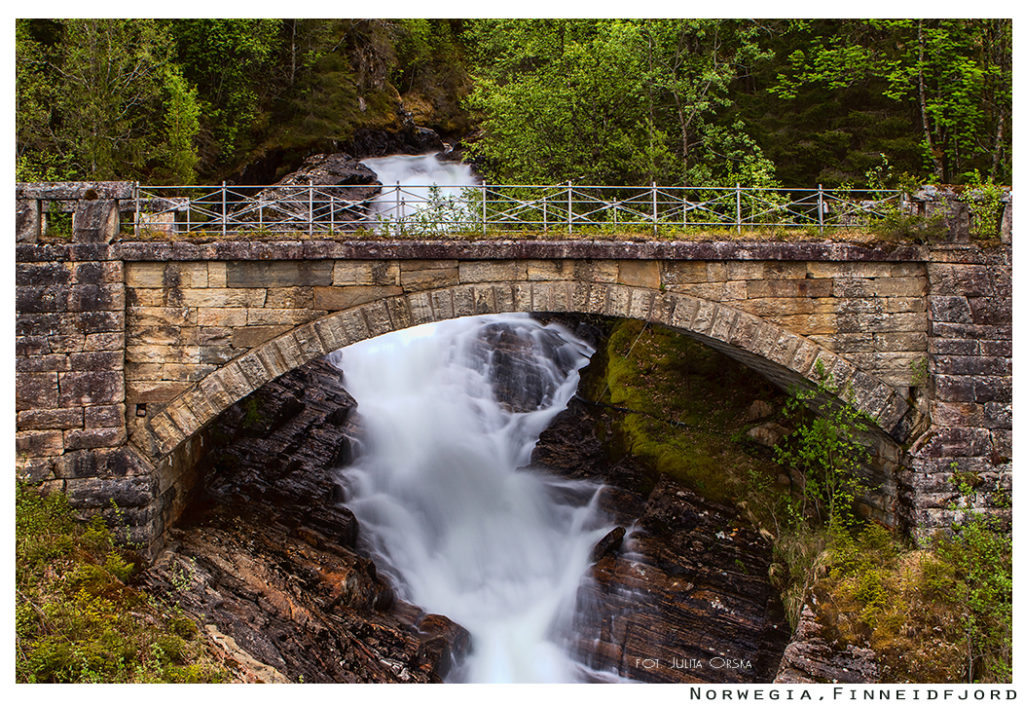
[
  {"x": 345, "y": 189},
  {"x": 758, "y": 410},
  {"x": 768, "y": 434}
]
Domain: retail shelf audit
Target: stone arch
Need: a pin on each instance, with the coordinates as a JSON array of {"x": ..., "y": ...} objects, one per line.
[{"x": 783, "y": 357}]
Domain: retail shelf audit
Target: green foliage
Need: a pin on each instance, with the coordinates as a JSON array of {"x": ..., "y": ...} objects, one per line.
[
  {"x": 979, "y": 555},
  {"x": 919, "y": 372},
  {"x": 700, "y": 101},
  {"x": 182, "y": 125},
  {"x": 986, "y": 207},
  {"x": 440, "y": 215},
  {"x": 91, "y": 93},
  {"x": 227, "y": 60},
  {"x": 77, "y": 618},
  {"x": 613, "y": 101},
  {"x": 940, "y": 614},
  {"x": 950, "y": 77},
  {"x": 825, "y": 451},
  {"x": 916, "y": 228}
]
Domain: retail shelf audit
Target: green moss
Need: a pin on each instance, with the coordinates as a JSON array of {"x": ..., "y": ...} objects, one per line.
[
  {"x": 79, "y": 619},
  {"x": 686, "y": 401}
]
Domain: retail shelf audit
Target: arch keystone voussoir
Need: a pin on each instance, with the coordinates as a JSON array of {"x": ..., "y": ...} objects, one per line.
[
  {"x": 641, "y": 302},
  {"x": 421, "y": 309},
  {"x": 399, "y": 312}
]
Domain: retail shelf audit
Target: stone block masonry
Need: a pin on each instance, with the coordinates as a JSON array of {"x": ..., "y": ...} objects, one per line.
[
  {"x": 970, "y": 321},
  {"x": 127, "y": 350},
  {"x": 69, "y": 374},
  {"x": 188, "y": 318}
]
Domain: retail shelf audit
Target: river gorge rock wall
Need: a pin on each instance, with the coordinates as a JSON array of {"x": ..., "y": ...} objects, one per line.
[{"x": 266, "y": 555}]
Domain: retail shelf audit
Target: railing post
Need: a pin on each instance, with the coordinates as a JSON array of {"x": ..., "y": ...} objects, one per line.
[
  {"x": 544, "y": 209},
  {"x": 570, "y": 206},
  {"x": 138, "y": 210},
  {"x": 398, "y": 205},
  {"x": 739, "y": 218},
  {"x": 311, "y": 208},
  {"x": 484, "y": 194},
  {"x": 223, "y": 208},
  {"x": 654, "y": 199},
  {"x": 821, "y": 210}
]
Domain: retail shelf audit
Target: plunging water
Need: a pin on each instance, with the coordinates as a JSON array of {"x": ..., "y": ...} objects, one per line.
[
  {"x": 445, "y": 496},
  {"x": 415, "y": 175}
]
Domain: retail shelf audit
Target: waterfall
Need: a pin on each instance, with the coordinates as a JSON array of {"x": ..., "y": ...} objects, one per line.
[
  {"x": 445, "y": 496},
  {"x": 416, "y": 174}
]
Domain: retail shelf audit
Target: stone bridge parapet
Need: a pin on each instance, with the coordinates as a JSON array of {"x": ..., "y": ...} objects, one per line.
[{"x": 127, "y": 350}]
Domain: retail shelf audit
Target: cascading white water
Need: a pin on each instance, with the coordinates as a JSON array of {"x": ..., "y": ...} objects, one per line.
[
  {"x": 416, "y": 174},
  {"x": 446, "y": 500}
]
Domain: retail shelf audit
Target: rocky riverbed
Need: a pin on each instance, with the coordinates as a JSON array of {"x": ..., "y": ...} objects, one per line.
[{"x": 269, "y": 561}]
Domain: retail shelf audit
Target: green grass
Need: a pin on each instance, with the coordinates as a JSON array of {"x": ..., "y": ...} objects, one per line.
[{"x": 79, "y": 619}]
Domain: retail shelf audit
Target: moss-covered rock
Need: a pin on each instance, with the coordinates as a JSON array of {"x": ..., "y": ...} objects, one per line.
[{"x": 685, "y": 408}]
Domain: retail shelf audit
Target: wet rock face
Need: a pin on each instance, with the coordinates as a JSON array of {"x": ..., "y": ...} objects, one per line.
[
  {"x": 267, "y": 561},
  {"x": 299, "y": 602},
  {"x": 511, "y": 359},
  {"x": 266, "y": 557},
  {"x": 687, "y": 597}
]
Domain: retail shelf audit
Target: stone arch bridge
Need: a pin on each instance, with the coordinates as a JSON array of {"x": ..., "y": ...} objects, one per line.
[{"x": 127, "y": 350}]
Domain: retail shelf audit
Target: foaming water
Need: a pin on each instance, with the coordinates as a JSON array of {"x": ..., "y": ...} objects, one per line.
[
  {"x": 416, "y": 174},
  {"x": 445, "y": 497}
]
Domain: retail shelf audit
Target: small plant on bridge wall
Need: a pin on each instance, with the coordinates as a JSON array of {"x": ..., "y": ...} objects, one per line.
[
  {"x": 825, "y": 452},
  {"x": 897, "y": 221},
  {"x": 919, "y": 372},
  {"x": 986, "y": 206}
]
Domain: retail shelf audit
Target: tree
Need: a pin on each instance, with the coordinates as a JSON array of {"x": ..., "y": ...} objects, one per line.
[
  {"x": 826, "y": 450},
  {"x": 953, "y": 75},
  {"x": 181, "y": 118},
  {"x": 92, "y": 95},
  {"x": 613, "y": 101},
  {"x": 230, "y": 63}
]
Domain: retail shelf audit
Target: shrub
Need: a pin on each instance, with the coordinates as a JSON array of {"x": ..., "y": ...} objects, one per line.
[{"x": 78, "y": 619}]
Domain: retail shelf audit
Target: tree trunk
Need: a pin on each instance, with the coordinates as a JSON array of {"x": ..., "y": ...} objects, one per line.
[
  {"x": 923, "y": 100},
  {"x": 997, "y": 152}
]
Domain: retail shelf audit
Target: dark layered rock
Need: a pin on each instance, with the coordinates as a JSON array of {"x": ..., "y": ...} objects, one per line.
[
  {"x": 411, "y": 139},
  {"x": 812, "y": 658},
  {"x": 686, "y": 598},
  {"x": 296, "y": 600},
  {"x": 265, "y": 558}
]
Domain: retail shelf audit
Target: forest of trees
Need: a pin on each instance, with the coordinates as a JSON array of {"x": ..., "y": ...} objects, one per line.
[{"x": 700, "y": 102}]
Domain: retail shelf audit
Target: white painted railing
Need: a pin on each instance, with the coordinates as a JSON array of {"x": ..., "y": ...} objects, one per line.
[{"x": 416, "y": 210}]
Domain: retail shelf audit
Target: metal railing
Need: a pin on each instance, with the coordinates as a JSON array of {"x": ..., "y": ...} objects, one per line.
[{"x": 415, "y": 210}]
